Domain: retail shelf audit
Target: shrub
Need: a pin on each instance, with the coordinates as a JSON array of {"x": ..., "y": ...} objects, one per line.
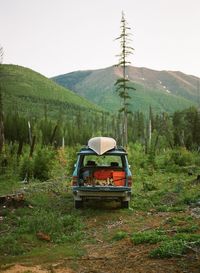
[
  {"x": 177, "y": 246},
  {"x": 71, "y": 154},
  {"x": 150, "y": 237},
  {"x": 169, "y": 249},
  {"x": 181, "y": 157},
  {"x": 136, "y": 155},
  {"x": 43, "y": 164},
  {"x": 120, "y": 235},
  {"x": 26, "y": 168}
]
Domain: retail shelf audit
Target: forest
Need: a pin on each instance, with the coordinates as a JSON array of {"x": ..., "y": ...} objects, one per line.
[{"x": 25, "y": 137}]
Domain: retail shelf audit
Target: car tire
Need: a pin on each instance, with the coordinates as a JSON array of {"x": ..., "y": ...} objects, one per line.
[
  {"x": 78, "y": 204},
  {"x": 124, "y": 204}
]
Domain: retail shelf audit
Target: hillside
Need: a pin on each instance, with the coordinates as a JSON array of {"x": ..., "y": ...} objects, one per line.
[
  {"x": 28, "y": 92},
  {"x": 163, "y": 90}
]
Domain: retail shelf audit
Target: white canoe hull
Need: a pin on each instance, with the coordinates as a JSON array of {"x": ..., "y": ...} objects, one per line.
[{"x": 100, "y": 145}]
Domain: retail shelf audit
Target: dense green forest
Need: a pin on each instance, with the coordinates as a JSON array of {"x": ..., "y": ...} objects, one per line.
[
  {"x": 180, "y": 129},
  {"x": 23, "y": 136}
]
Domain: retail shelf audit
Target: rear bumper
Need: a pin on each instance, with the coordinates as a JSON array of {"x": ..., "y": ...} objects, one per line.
[{"x": 84, "y": 193}]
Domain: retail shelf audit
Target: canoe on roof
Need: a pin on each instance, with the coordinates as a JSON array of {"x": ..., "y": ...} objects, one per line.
[{"x": 100, "y": 145}]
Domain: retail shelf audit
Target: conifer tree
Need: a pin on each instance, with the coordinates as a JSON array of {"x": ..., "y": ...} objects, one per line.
[{"x": 122, "y": 84}]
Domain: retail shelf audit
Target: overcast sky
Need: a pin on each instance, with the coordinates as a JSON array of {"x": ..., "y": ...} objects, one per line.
[{"x": 59, "y": 36}]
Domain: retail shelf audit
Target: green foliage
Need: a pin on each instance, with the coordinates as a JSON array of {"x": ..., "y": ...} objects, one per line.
[
  {"x": 9, "y": 183},
  {"x": 169, "y": 249},
  {"x": 136, "y": 155},
  {"x": 167, "y": 188},
  {"x": 26, "y": 168},
  {"x": 186, "y": 128},
  {"x": 171, "y": 246},
  {"x": 43, "y": 164},
  {"x": 176, "y": 247},
  {"x": 51, "y": 210},
  {"x": 181, "y": 157},
  {"x": 60, "y": 228},
  {"x": 120, "y": 235},
  {"x": 48, "y": 216},
  {"x": 150, "y": 237},
  {"x": 38, "y": 167},
  {"x": 9, "y": 245},
  {"x": 71, "y": 158}
]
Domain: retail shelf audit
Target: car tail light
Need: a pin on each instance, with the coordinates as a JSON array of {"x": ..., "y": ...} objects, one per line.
[
  {"x": 74, "y": 180},
  {"x": 130, "y": 181}
]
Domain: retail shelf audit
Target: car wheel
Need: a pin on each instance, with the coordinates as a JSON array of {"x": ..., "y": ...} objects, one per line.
[
  {"x": 125, "y": 204},
  {"x": 78, "y": 204}
]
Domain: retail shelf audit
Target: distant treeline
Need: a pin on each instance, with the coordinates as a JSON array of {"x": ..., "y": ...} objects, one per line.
[{"x": 158, "y": 130}]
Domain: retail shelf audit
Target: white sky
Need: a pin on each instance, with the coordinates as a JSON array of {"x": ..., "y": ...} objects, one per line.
[{"x": 59, "y": 36}]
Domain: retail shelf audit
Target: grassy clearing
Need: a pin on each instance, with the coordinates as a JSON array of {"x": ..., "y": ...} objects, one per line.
[
  {"x": 48, "y": 209},
  {"x": 164, "y": 191},
  {"x": 43, "y": 224}
]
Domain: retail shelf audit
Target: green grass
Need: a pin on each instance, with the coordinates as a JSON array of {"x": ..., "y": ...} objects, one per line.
[
  {"x": 120, "y": 235},
  {"x": 170, "y": 246},
  {"x": 8, "y": 184},
  {"x": 164, "y": 190},
  {"x": 48, "y": 214},
  {"x": 46, "y": 254},
  {"x": 177, "y": 246},
  {"x": 170, "y": 249},
  {"x": 150, "y": 237}
]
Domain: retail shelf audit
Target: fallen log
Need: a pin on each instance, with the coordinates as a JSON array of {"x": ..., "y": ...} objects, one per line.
[{"x": 12, "y": 199}]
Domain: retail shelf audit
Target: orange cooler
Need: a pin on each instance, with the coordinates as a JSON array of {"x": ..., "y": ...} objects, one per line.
[
  {"x": 119, "y": 178},
  {"x": 103, "y": 174}
]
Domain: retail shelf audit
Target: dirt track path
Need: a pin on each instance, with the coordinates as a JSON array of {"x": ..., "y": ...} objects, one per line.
[{"x": 104, "y": 255}]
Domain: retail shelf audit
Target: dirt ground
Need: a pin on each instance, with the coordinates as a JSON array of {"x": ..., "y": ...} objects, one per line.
[
  {"x": 35, "y": 269},
  {"x": 108, "y": 256},
  {"x": 122, "y": 258}
]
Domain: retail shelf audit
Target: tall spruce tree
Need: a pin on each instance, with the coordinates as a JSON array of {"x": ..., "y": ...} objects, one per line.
[{"x": 123, "y": 84}]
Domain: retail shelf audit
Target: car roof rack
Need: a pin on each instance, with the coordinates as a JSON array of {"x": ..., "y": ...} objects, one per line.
[{"x": 118, "y": 148}]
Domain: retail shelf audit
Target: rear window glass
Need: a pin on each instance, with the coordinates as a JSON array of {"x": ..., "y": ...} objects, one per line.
[{"x": 108, "y": 160}]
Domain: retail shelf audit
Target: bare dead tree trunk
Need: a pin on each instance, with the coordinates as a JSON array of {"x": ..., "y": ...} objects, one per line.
[
  {"x": 32, "y": 146},
  {"x": 20, "y": 148},
  {"x": 54, "y": 133}
]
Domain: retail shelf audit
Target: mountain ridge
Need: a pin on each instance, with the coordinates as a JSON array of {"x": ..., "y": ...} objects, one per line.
[{"x": 98, "y": 86}]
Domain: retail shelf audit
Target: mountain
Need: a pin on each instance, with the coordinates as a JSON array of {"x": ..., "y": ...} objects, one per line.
[
  {"x": 28, "y": 92},
  {"x": 163, "y": 90}
]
